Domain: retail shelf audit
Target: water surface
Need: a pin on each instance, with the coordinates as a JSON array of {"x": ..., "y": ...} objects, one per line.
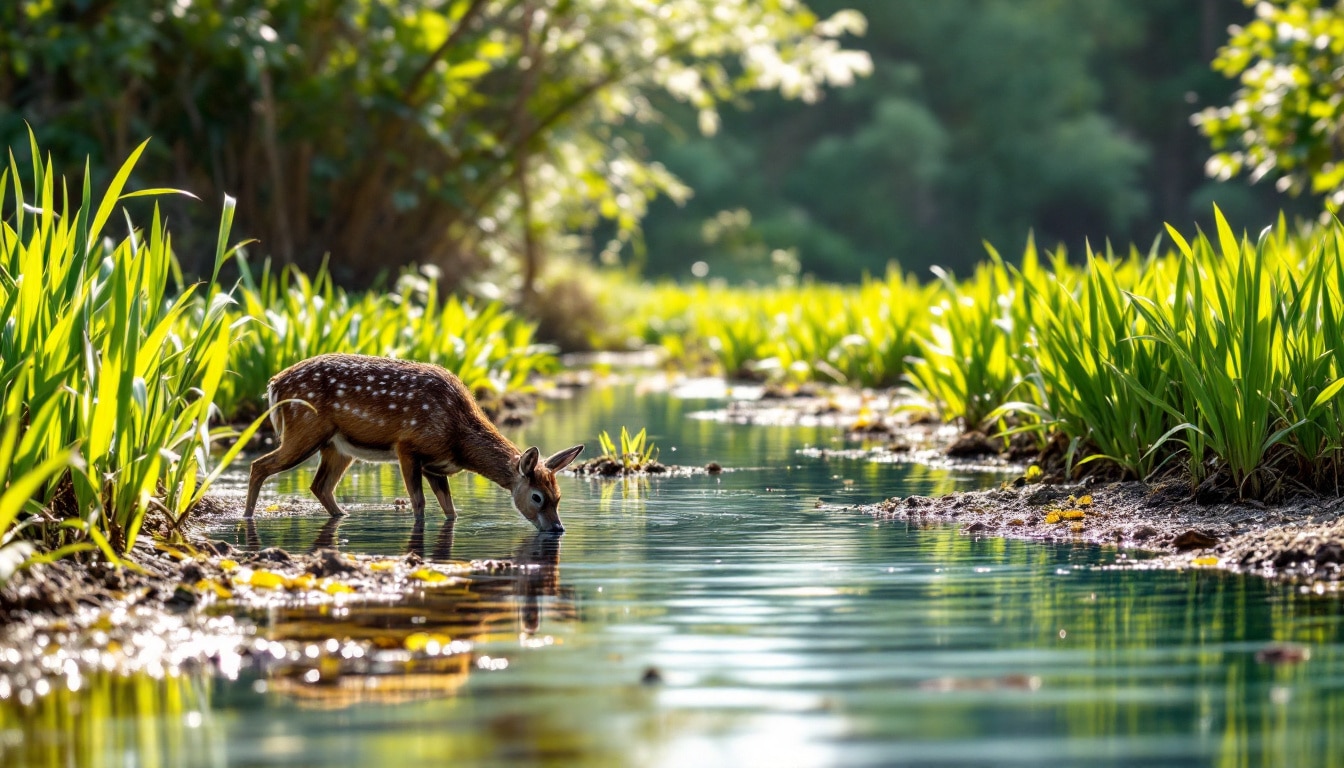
[{"x": 730, "y": 620}]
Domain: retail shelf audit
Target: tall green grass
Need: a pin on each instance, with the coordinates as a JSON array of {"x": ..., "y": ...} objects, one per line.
[
  {"x": 107, "y": 405},
  {"x": 1218, "y": 357}
]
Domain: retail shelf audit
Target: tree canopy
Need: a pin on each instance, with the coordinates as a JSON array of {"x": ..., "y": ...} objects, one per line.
[
  {"x": 459, "y": 132},
  {"x": 1286, "y": 119},
  {"x": 983, "y": 120}
]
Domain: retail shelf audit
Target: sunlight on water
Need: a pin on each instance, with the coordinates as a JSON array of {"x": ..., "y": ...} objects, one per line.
[{"x": 726, "y": 620}]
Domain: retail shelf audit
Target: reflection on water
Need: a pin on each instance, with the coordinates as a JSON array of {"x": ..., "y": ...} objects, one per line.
[{"x": 782, "y": 634}]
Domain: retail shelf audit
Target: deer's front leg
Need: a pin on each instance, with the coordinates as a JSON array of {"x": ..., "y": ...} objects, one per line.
[
  {"x": 412, "y": 474},
  {"x": 439, "y": 485}
]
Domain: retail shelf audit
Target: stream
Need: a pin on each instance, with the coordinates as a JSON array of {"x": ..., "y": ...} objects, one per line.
[{"x": 745, "y": 618}]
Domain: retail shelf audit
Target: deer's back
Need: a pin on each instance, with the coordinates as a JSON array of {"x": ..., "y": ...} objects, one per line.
[{"x": 375, "y": 401}]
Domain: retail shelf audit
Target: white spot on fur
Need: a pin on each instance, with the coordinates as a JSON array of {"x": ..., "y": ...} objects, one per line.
[
  {"x": 340, "y": 393},
  {"x": 393, "y": 406},
  {"x": 412, "y": 422},
  {"x": 425, "y": 407},
  {"x": 359, "y": 389}
]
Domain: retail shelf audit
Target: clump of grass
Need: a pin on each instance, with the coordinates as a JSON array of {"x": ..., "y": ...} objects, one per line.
[
  {"x": 634, "y": 452},
  {"x": 107, "y": 403},
  {"x": 968, "y": 362}
]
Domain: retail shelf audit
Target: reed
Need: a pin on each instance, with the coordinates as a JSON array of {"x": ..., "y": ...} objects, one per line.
[{"x": 107, "y": 405}]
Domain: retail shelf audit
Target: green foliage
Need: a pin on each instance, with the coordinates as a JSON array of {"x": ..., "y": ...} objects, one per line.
[
  {"x": 388, "y": 131},
  {"x": 95, "y": 366},
  {"x": 284, "y": 317},
  {"x": 981, "y": 120},
  {"x": 856, "y": 335},
  {"x": 1085, "y": 326},
  {"x": 635, "y": 452},
  {"x": 1287, "y": 117},
  {"x": 969, "y": 359},
  {"x": 1223, "y": 354}
]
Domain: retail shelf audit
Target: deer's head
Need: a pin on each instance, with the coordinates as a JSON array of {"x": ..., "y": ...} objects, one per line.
[{"x": 535, "y": 494}]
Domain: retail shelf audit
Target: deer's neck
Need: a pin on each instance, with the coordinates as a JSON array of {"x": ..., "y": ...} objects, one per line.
[{"x": 490, "y": 455}]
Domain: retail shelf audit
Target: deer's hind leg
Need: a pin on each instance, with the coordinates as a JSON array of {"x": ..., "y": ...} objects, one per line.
[
  {"x": 295, "y": 447},
  {"x": 329, "y": 472}
]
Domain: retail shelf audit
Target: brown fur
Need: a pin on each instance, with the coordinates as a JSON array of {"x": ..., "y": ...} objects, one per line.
[{"x": 418, "y": 415}]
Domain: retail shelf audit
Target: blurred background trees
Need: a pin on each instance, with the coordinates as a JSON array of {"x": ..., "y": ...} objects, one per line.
[
  {"x": 744, "y": 140},
  {"x": 472, "y": 134},
  {"x": 983, "y": 120}
]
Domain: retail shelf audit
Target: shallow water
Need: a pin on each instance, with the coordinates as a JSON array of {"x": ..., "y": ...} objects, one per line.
[{"x": 727, "y": 620}]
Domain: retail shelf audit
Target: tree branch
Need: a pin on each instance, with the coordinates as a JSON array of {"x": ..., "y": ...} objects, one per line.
[{"x": 408, "y": 95}]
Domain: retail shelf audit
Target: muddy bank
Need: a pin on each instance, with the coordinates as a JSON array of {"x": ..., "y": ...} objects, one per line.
[
  {"x": 1300, "y": 540},
  {"x": 325, "y": 616}
]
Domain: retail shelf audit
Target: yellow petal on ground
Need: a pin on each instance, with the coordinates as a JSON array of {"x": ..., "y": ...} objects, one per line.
[
  {"x": 337, "y": 588},
  {"x": 383, "y": 565},
  {"x": 1085, "y": 501},
  {"x": 1033, "y": 473},
  {"x": 212, "y": 586},
  {"x": 267, "y": 580},
  {"x": 429, "y": 575},
  {"x": 1205, "y": 562},
  {"x": 1052, "y": 518},
  {"x": 303, "y": 581},
  {"x": 228, "y": 565},
  {"x": 273, "y": 508},
  {"x": 1072, "y": 514},
  {"x": 419, "y": 641},
  {"x": 172, "y": 552}
]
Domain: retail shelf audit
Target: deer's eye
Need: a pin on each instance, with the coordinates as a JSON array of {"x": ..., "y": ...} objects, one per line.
[{"x": 536, "y": 498}]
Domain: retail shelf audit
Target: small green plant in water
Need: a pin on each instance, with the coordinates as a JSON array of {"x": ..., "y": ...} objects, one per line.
[{"x": 636, "y": 452}]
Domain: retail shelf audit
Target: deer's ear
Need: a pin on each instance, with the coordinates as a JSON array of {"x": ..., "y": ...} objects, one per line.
[
  {"x": 527, "y": 463},
  {"x": 560, "y": 459}
]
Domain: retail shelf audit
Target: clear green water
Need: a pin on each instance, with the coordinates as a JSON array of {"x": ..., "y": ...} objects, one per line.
[{"x": 782, "y": 634}]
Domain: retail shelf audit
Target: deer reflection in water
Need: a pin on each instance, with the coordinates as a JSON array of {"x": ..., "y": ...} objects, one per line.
[
  {"x": 507, "y": 597},
  {"x": 528, "y": 579}
]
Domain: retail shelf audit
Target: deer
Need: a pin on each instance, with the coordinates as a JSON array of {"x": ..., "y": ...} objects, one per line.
[{"x": 418, "y": 415}]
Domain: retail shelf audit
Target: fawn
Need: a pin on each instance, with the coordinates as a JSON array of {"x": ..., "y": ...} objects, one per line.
[{"x": 418, "y": 415}]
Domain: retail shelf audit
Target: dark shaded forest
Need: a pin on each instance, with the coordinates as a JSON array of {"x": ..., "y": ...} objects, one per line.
[{"x": 982, "y": 121}]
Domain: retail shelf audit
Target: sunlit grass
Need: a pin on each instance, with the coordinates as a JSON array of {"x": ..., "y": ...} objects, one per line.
[
  {"x": 97, "y": 376},
  {"x": 632, "y": 453},
  {"x": 1218, "y": 357}
]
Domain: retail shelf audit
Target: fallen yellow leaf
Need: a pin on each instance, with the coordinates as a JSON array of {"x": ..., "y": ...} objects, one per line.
[
  {"x": 1073, "y": 514},
  {"x": 383, "y": 565},
  {"x": 267, "y": 580},
  {"x": 1052, "y": 518},
  {"x": 210, "y": 585},
  {"x": 419, "y": 641},
  {"x": 1085, "y": 501},
  {"x": 429, "y": 575},
  {"x": 303, "y": 581},
  {"x": 228, "y": 565},
  {"x": 1206, "y": 561},
  {"x": 337, "y": 588},
  {"x": 273, "y": 508}
]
